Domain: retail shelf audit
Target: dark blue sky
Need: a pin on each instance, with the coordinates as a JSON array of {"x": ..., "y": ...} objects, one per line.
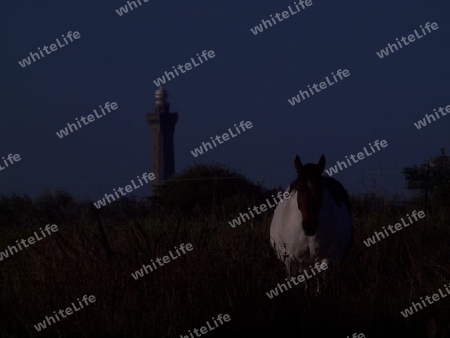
[{"x": 118, "y": 57}]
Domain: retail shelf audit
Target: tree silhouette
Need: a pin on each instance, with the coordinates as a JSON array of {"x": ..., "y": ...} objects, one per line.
[{"x": 205, "y": 188}]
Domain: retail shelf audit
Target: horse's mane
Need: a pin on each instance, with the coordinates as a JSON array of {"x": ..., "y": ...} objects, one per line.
[{"x": 337, "y": 191}]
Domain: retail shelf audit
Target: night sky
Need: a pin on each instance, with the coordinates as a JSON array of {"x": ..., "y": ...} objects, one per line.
[{"x": 251, "y": 77}]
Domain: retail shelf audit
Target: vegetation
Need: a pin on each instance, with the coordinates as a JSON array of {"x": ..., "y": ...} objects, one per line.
[
  {"x": 229, "y": 270},
  {"x": 202, "y": 188},
  {"x": 430, "y": 179}
]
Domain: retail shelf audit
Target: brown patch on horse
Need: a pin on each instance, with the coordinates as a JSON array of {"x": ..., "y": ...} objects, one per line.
[{"x": 309, "y": 187}]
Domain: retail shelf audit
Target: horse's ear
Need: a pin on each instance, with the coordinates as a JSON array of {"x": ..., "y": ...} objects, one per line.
[
  {"x": 321, "y": 164},
  {"x": 298, "y": 164}
]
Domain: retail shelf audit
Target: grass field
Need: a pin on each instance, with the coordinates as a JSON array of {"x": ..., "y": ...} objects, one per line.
[{"x": 229, "y": 271}]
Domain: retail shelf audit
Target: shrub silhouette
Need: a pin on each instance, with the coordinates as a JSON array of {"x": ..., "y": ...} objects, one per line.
[{"x": 204, "y": 188}]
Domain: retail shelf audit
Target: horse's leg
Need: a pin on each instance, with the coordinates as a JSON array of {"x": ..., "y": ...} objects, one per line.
[
  {"x": 300, "y": 270},
  {"x": 288, "y": 267},
  {"x": 321, "y": 275},
  {"x": 318, "y": 279}
]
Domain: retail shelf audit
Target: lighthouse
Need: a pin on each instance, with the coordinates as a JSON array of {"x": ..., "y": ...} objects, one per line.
[{"x": 162, "y": 126}]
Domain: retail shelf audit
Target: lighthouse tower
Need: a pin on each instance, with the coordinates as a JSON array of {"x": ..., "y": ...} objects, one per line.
[{"x": 162, "y": 126}]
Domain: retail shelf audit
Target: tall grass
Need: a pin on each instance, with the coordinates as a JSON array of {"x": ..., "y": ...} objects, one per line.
[{"x": 229, "y": 271}]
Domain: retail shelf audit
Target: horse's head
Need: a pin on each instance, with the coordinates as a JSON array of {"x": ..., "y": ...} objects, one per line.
[{"x": 309, "y": 187}]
